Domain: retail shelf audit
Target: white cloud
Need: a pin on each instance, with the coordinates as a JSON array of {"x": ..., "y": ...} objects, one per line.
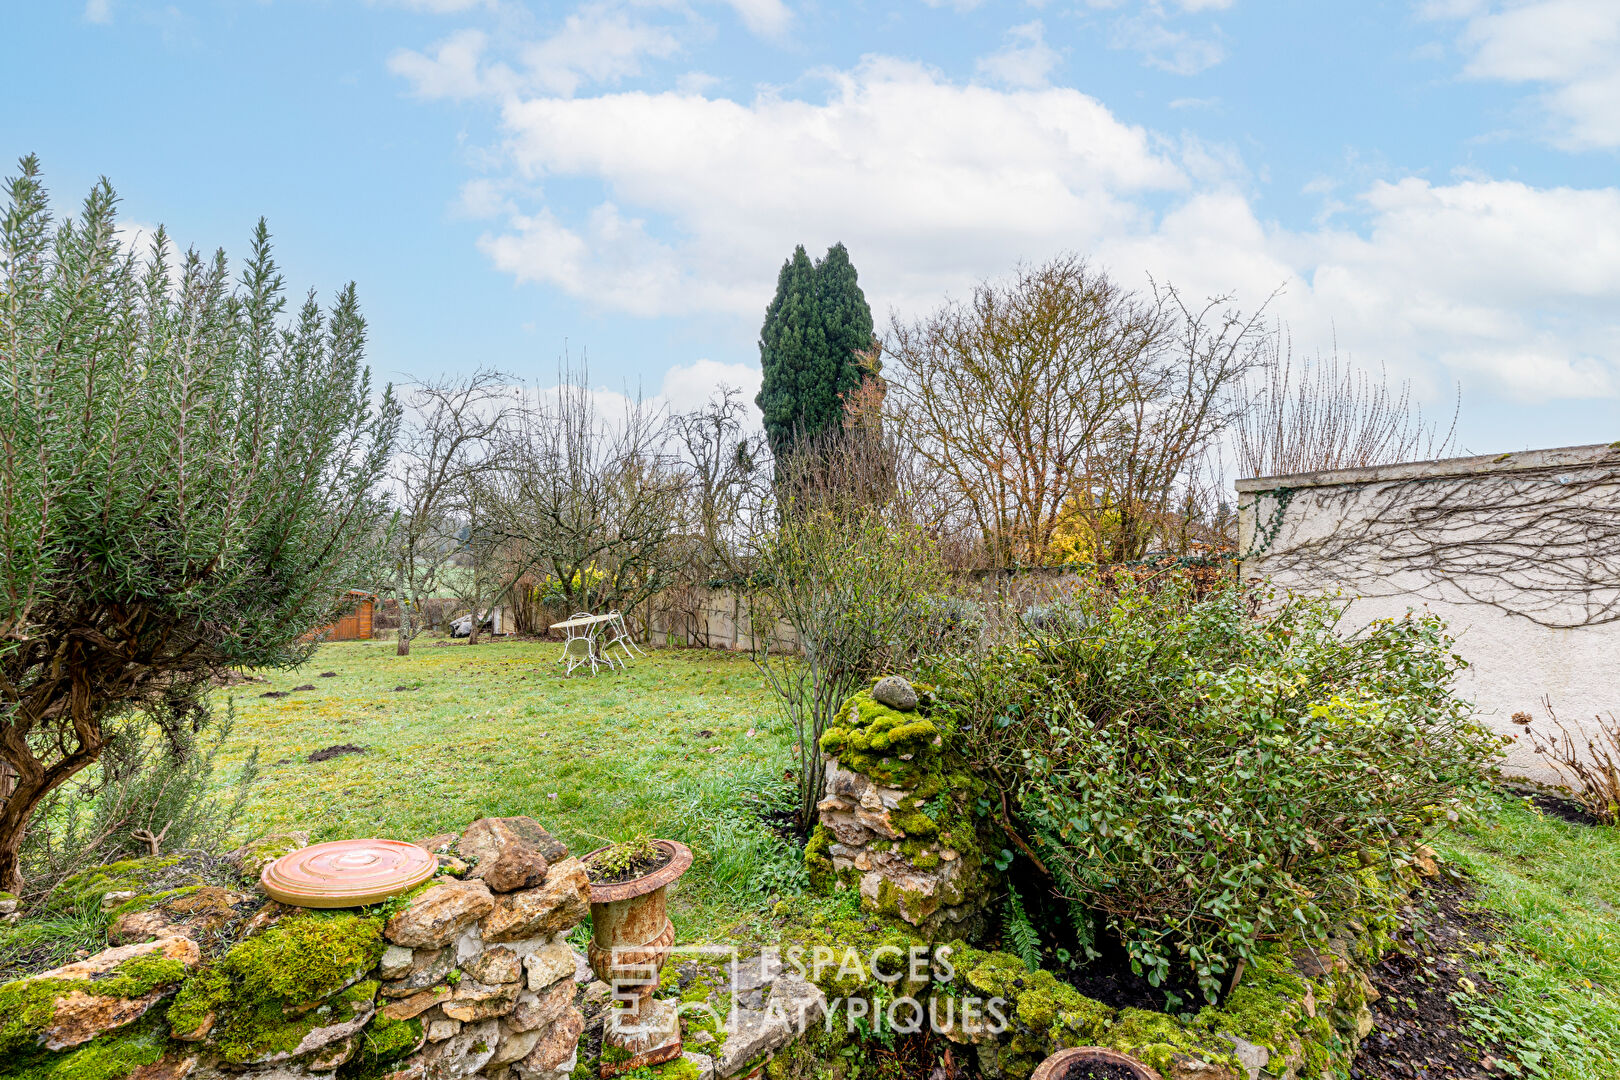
[
  {"x": 98, "y": 11},
  {"x": 1512, "y": 285},
  {"x": 933, "y": 184},
  {"x": 1152, "y": 28},
  {"x": 1176, "y": 51},
  {"x": 896, "y": 159},
  {"x": 600, "y": 43},
  {"x": 1025, "y": 62},
  {"x": 768, "y": 18},
  {"x": 596, "y": 44},
  {"x": 690, "y": 386},
  {"x": 1570, "y": 48},
  {"x": 454, "y": 70}
]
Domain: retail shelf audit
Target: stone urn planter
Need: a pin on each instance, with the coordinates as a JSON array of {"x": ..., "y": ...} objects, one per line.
[
  {"x": 631, "y": 938},
  {"x": 1092, "y": 1063}
]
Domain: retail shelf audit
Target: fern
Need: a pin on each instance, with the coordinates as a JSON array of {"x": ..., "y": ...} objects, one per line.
[{"x": 1020, "y": 932}]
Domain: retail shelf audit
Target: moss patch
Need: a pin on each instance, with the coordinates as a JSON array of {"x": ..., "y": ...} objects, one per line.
[
  {"x": 383, "y": 1043},
  {"x": 260, "y": 991},
  {"x": 111, "y": 1057},
  {"x": 883, "y": 743},
  {"x": 81, "y": 894},
  {"x": 27, "y": 1006},
  {"x": 818, "y": 860}
]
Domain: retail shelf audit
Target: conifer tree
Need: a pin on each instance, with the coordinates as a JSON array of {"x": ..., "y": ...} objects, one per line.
[{"x": 812, "y": 347}]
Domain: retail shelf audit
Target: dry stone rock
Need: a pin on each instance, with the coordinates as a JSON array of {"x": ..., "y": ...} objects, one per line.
[
  {"x": 793, "y": 1007},
  {"x": 471, "y": 1000},
  {"x": 549, "y": 963},
  {"x": 428, "y": 967},
  {"x": 514, "y": 1045},
  {"x": 440, "y": 1030},
  {"x": 396, "y": 963},
  {"x": 534, "y": 1011},
  {"x": 330, "y": 1057},
  {"x": 800, "y": 1000},
  {"x": 469, "y": 944},
  {"x": 545, "y": 911},
  {"x": 322, "y": 1043},
  {"x": 204, "y": 911},
  {"x": 506, "y": 861},
  {"x": 465, "y": 1053},
  {"x": 439, "y": 915},
  {"x": 895, "y": 692},
  {"x": 496, "y": 965},
  {"x": 557, "y": 1044},
  {"x": 757, "y": 1032},
  {"x": 416, "y": 1004},
  {"x": 82, "y": 1014},
  {"x": 1253, "y": 1058}
]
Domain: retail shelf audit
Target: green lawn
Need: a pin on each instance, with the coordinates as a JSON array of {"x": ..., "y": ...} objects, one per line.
[
  {"x": 689, "y": 745},
  {"x": 1558, "y": 968},
  {"x": 686, "y": 745}
]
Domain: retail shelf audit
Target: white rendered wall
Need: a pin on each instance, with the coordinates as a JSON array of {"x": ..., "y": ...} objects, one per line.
[{"x": 1520, "y": 554}]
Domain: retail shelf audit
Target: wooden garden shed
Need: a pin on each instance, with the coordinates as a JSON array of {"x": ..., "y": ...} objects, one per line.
[{"x": 356, "y": 625}]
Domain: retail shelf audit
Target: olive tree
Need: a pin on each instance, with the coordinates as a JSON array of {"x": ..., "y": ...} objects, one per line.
[{"x": 188, "y": 478}]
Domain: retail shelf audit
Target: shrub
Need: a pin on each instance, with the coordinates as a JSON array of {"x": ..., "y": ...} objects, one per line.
[
  {"x": 188, "y": 480},
  {"x": 1208, "y": 779},
  {"x": 852, "y": 586},
  {"x": 1591, "y": 771},
  {"x": 153, "y": 790}
]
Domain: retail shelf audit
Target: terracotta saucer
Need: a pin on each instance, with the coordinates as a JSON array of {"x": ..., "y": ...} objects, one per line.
[{"x": 347, "y": 873}]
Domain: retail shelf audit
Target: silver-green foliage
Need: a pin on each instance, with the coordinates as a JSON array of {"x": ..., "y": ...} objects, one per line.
[{"x": 187, "y": 477}]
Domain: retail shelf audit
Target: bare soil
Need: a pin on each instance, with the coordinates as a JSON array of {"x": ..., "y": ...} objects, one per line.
[
  {"x": 1418, "y": 1034},
  {"x": 336, "y": 751}
]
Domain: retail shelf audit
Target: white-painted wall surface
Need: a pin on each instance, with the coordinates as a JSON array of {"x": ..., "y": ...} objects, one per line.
[{"x": 1519, "y": 553}]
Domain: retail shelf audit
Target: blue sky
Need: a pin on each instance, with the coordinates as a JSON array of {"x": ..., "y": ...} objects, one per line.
[{"x": 1434, "y": 185}]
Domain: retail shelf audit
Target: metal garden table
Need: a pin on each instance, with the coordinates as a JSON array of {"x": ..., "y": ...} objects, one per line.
[{"x": 583, "y": 644}]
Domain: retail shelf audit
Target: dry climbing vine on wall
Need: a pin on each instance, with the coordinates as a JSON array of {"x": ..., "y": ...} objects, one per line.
[{"x": 1541, "y": 543}]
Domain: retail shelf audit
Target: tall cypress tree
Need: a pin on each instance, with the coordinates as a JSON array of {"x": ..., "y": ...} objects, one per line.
[
  {"x": 814, "y": 329},
  {"x": 846, "y": 319}
]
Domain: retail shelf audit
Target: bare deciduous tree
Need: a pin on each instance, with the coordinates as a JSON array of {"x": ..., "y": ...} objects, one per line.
[
  {"x": 1334, "y": 417},
  {"x": 591, "y": 504},
  {"x": 1059, "y": 399},
  {"x": 1144, "y": 478},
  {"x": 451, "y": 427}
]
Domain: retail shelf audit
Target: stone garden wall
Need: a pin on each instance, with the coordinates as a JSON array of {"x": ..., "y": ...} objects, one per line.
[
  {"x": 1519, "y": 553},
  {"x": 467, "y": 977},
  {"x": 896, "y": 824}
]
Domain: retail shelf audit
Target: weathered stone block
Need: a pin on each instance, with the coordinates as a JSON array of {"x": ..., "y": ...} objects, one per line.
[
  {"x": 471, "y": 1000},
  {"x": 496, "y": 965},
  {"x": 505, "y": 860},
  {"x": 439, "y": 915},
  {"x": 549, "y": 963},
  {"x": 558, "y": 905},
  {"x": 112, "y": 993},
  {"x": 536, "y": 1010}
]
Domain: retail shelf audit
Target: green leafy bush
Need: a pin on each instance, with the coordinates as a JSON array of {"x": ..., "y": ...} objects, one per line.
[{"x": 1209, "y": 779}]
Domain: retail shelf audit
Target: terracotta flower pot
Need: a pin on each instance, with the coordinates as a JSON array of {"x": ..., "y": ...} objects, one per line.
[
  {"x": 631, "y": 938},
  {"x": 1064, "y": 1063}
]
